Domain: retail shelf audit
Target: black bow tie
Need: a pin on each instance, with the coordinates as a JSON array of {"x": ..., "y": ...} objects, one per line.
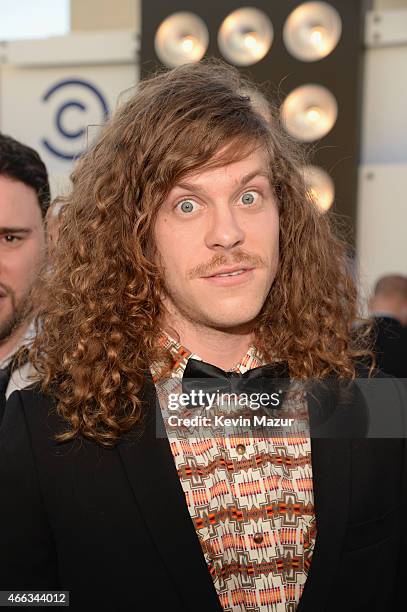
[{"x": 204, "y": 377}]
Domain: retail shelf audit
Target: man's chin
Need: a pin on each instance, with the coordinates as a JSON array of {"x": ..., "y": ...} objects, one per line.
[
  {"x": 232, "y": 322},
  {"x": 11, "y": 321},
  {"x": 6, "y": 328},
  {"x": 233, "y": 317}
]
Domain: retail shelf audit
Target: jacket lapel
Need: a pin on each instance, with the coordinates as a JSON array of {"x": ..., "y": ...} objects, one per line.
[
  {"x": 151, "y": 471},
  {"x": 331, "y": 468}
]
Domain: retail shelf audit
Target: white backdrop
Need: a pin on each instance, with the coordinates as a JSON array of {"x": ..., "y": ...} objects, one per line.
[
  {"x": 52, "y": 90},
  {"x": 382, "y": 201}
]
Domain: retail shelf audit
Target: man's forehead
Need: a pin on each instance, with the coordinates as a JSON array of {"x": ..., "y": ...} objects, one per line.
[
  {"x": 253, "y": 164},
  {"x": 18, "y": 203}
]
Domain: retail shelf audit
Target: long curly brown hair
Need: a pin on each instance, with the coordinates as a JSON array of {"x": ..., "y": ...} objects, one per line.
[{"x": 100, "y": 297}]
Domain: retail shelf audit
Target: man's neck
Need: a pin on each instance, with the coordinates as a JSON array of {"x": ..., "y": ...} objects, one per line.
[
  {"x": 222, "y": 349},
  {"x": 10, "y": 345}
]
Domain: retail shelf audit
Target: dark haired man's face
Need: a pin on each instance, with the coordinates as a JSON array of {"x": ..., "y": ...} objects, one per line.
[
  {"x": 22, "y": 249},
  {"x": 217, "y": 235}
]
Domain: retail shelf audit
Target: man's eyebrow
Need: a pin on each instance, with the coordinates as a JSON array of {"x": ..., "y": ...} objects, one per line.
[
  {"x": 242, "y": 182},
  {"x": 249, "y": 177},
  {"x": 15, "y": 230}
]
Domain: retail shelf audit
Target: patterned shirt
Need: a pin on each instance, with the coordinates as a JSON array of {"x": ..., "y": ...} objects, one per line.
[{"x": 250, "y": 500}]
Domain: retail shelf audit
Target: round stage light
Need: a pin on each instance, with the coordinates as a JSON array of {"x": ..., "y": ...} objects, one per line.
[
  {"x": 181, "y": 38},
  {"x": 321, "y": 187},
  {"x": 312, "y": 31},
  {"x": 309, "y": 112},
  {"x": 245, "y": 36}
]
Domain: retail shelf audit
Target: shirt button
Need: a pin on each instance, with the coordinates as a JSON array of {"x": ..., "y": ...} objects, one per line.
[
  {"x": 258, "y": 538},
  {"x": 240, "y": 449}
]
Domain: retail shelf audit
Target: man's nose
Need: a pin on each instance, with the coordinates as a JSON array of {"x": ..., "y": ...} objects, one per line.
[{"x": 224, "y": 230}]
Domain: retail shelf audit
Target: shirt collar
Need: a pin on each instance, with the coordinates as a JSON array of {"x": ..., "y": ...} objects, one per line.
[
  {"x": 24, "y": 341},
  {"x": 180, "y": 356}
]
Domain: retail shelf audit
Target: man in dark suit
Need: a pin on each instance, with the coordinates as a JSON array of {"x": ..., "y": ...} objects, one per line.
[
  {"x": 192, "y": 260},
  {"x": 24, "y": 201},
  {"x": 388, "y": 307}
]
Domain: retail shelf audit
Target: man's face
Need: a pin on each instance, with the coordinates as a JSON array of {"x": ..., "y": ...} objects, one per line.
[
  {"x": 22, "y": 249},
  {"x": 217, "y": 235}
]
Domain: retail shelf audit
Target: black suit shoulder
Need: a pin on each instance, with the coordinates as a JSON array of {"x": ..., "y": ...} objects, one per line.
[
  {"x": 38, "y": 407},
  {"x": 20, "y": 484},
  {"x": 390, "y": 346},
  {"x": 69, "y": 518}
]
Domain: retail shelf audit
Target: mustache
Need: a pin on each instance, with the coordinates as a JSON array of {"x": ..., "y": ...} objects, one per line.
[{"x": 239, "y": 256}]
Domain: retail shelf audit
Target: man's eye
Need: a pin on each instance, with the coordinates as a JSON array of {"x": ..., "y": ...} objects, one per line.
[
  {"x": 249, "y": 198},
  {"x": 187, "y": 206},
  {"x": 10, "y": 239}
]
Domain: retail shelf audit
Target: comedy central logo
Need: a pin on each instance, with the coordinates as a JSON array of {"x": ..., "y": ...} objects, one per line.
[{"x": 74, "y": 104}]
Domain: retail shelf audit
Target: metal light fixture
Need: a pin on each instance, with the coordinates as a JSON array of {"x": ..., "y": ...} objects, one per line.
[
  {"x": 312, "y": 31},
  {"x": 181, "y": 38},
  {"x": 309, "y": 112},
  {"x": 245, "y": 36},
  {"x": 320, "y": 186}
]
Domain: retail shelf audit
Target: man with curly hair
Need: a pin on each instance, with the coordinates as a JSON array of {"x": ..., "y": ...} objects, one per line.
[{"x": 190, "y": 252}]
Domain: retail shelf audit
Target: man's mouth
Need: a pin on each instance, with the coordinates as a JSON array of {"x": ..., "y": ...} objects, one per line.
[
  {"x": 230, "y": 277},
  {"x": 228, "y": 272}
]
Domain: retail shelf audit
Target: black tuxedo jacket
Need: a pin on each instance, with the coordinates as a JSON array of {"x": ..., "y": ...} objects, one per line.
[
  {"x": 390, "y": 345},
  {"x": 112, "y": 526}
]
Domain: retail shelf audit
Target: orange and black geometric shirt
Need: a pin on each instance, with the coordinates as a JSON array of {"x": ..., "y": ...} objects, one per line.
[{"x": 251, "y": 502}]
